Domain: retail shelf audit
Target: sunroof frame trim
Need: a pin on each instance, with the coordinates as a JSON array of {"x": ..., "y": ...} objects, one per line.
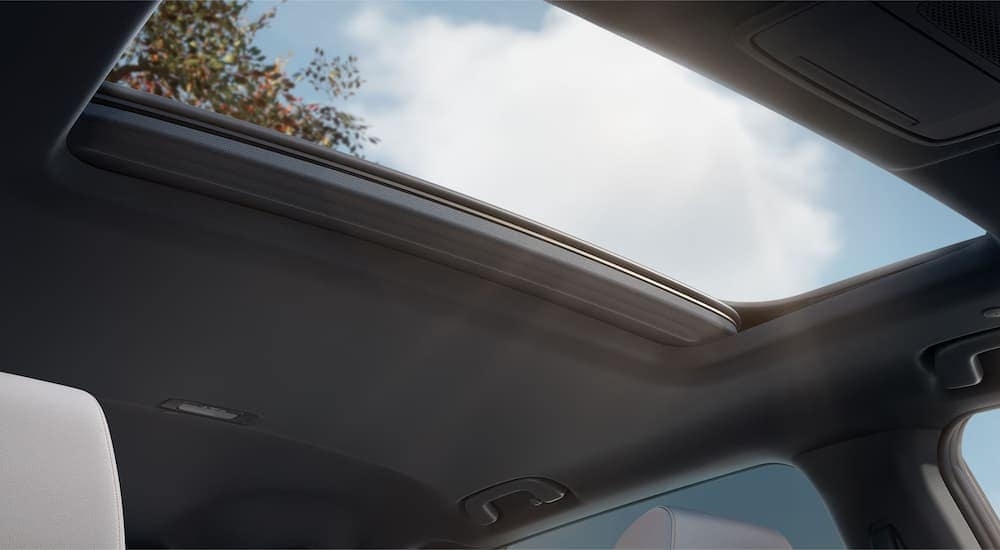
[{"x": 123, "y": 97}]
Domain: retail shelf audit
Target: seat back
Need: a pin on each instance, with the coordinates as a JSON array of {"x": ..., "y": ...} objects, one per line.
[
  {"x": 58, "y": 478},
  {"x": 674, "y": 528}
]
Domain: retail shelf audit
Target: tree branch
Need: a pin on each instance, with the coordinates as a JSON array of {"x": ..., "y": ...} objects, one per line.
[
  {"x": 121, "y": 72},
  {"x": 118, "y": 73}
]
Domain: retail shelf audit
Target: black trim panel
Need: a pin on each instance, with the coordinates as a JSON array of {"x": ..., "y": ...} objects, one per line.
[
  {"x": 176, "y": 112},
  {"x": 324, "y": 193}
]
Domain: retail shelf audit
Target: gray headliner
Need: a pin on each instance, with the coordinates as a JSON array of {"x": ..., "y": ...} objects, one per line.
[{"x": 421, "y": 380}]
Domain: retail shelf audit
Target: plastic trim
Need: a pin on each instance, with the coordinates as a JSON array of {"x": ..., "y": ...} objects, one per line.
[
  {"x": 964, "y": 488},
  {"x": 176, "y": 112},
  {"x": 270, "y": 180},
  {"x": 745, "y": 39}
]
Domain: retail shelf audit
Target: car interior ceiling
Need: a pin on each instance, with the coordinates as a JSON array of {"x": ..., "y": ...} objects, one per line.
[{"x": 386, "y": 381}]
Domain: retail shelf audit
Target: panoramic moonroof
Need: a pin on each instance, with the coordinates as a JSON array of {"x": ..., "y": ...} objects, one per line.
[{"x": 537, "y": 111}]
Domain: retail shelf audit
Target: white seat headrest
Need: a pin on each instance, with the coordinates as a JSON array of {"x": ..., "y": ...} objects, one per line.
[
  {"x": 58, "y": 478},
  {"x": 673, "y": 528}
]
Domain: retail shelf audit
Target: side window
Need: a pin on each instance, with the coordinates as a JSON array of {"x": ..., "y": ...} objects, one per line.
[
  {"x": 981, "y": 451},
  {"x": 775, "y": 496}
]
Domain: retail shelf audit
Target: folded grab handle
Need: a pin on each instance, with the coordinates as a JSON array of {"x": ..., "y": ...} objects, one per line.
[
  {"x": 480, "y": 508},
  {"x": 957, "y": 363}
]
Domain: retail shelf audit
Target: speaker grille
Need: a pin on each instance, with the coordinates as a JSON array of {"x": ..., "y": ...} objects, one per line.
[{"x": 976, "y": 25}]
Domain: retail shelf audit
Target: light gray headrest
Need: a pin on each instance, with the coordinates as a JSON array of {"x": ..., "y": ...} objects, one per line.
[
  {"x": 58, "y": 479},
  {"x": 673, "y": 528}
]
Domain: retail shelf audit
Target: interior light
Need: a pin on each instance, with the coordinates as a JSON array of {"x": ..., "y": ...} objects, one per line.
[
  {"x": 992, "y": 313},
  {"x": 209, "y": 411}
]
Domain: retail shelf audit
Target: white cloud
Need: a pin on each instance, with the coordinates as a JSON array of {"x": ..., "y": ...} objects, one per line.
[{"x": 579, "y": 129}]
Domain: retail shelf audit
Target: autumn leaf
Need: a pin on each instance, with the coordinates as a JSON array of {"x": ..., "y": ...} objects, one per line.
[{"x": 203, "y": 53}]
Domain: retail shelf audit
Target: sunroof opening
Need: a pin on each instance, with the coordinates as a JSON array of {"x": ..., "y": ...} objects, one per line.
[{"x": 537, "y": 111}]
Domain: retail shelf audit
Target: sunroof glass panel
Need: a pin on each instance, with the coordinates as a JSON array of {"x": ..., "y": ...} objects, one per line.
[{"x": 537, "y": 111}]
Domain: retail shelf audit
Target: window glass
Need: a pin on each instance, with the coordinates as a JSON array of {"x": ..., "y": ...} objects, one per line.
[
  {"x": 775, "y": 496},
  {"x": 981, "y": 451},
  {"x": 530, "y": 108}
]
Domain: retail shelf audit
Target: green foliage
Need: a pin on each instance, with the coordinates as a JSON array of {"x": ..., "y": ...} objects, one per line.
[{"x": 203, "y": 53}]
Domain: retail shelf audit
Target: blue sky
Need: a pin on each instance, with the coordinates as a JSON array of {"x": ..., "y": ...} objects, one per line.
[{"x": 538, "y": 112}]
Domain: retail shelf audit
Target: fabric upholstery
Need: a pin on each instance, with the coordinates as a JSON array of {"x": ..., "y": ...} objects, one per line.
[
  {"x": 674, "y": 528},
  {"x": 58, "y": 478}
]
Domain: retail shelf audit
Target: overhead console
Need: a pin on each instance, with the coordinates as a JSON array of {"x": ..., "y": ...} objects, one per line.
[{"x": 875, "y": 60}]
